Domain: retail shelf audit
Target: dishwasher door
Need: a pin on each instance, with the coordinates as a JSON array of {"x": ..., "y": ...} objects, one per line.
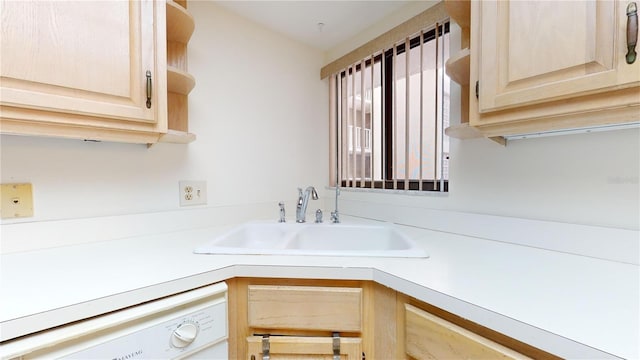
[{"x": 191, "y": 325}]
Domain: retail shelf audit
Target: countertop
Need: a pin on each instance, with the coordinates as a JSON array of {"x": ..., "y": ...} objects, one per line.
[{"x": 570, "y": 305}]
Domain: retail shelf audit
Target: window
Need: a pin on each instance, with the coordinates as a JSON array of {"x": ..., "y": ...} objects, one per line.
[{"x": 391, "y": 109}]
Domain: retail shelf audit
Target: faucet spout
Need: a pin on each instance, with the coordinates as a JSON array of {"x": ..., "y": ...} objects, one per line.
[{"x": 303, "y": 201}]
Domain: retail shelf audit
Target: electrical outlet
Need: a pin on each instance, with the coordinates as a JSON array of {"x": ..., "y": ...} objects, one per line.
[
  {"x": 193, "y": 193},
  {"x": 17, "y": 201}
]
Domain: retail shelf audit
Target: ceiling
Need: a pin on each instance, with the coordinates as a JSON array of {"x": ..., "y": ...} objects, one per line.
[{"x": 299, "y": 19}]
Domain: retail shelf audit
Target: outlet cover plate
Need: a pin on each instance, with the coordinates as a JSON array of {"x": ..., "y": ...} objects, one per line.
[
  {"x": 193, "y": 193},
  {"x": 17, "y": 201}
]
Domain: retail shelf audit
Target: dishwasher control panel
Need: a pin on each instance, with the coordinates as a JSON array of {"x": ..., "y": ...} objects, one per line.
[{"x": 170, "y": 339}]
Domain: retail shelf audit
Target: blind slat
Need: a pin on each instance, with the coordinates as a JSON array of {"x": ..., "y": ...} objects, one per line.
[
  {"x": 353, "y": 126},
  {"x": 372, "y": 122},
  {"x": 362, "y": 122},
  {"x": 421, "y": 106},
  {"x": 407, "y": 111},
  {"x": 395, "y": 119},
  {"x": 435, "y": 142}
]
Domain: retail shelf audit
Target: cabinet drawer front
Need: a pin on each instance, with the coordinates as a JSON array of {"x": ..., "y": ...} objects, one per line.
[
  {"x": 305, "y": 308},
  {"x": 430, "y": 337}
]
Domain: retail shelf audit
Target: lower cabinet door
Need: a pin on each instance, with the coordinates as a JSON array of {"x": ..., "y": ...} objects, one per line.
[
  {"x": 298, "y": 347},
  {"x": 430, "y": 337}
]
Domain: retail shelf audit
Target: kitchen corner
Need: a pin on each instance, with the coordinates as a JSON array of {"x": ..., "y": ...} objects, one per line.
[{"x": 556, "y": 301}]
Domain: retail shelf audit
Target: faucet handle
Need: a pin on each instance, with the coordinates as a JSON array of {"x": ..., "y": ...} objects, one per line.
[
  {"x": 282, "y": 217},
  {"x": 318, "y": 216},
  {"x": 335, "y": 217},
  {"x": 300, "y": 196}
]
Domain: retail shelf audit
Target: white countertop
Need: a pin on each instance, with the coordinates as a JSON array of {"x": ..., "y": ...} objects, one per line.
[{"x": 570, "y": 305}]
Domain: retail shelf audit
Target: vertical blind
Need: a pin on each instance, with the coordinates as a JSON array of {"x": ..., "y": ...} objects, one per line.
[{"x": 390, "y": 110}]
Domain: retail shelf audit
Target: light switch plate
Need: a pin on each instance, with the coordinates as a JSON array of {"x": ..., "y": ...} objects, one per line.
[{"x": 17, "y": 201}]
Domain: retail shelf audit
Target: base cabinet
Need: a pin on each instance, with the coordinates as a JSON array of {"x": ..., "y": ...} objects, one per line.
[{"x": 301, "y": 317}]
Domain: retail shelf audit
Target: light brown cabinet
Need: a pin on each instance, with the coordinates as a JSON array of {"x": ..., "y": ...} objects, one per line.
[
  {"x": 542, "y": 66},
  {"x": 430, "y": 337},
  {"x": 89, "y": 70},
  {"x": 300, "y": 318}
]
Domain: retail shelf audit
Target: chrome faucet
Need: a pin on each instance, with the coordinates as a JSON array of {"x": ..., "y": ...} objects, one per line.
[{"x": 303, "y": 201}]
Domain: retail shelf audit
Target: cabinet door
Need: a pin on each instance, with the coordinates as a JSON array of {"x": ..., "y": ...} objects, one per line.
[
  {"x": 86, "y": 59},
  {"x": 536, "y": 51},
  {"x": 316, "y": 348},
  {"x": 430, "y": 337}
]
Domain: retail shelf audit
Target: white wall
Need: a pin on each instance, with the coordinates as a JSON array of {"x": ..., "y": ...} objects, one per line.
[
  {"x": 259, "y": 112},
  {"x": 589, "y": 179}
]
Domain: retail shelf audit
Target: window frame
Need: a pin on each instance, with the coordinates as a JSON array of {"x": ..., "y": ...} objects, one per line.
[{"x": 386, "y": 162}]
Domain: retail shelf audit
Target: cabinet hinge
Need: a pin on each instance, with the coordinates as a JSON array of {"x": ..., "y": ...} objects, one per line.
[
  {"x": 477, "y": 90},
  {"x": 336, "y": 346},
  {"x": 265, "y": 347}
]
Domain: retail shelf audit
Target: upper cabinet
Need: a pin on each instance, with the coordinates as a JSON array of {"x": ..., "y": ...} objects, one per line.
[
  {"x": 93, "y": 70},
  {"x": 542, "y": 66}
]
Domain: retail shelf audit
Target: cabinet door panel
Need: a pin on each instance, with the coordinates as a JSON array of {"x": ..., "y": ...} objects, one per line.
[
  {"x": 537, "y": 51},
  {"x": 305, "y": 307},
  {"x": 430, "y": 337},
  {"x": 86, "y": 58}
]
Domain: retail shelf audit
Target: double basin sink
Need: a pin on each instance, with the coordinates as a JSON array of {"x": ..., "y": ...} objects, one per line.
[{"x": 325, "y": 239}]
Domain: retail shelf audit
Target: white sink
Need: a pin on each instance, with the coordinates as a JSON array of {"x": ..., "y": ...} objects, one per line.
[{"x": 261, "y": 238}]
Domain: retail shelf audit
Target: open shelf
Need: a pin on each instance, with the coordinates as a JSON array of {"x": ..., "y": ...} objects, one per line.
[
  {"x": 177, "y": 137},
  {"x": 180, "y": 27},
  {"x": 457, "y": 67},
  {"x": 180, "y": 23},
  {"x": 463, "y": 131},
  {"x": 179, "y": 82}
]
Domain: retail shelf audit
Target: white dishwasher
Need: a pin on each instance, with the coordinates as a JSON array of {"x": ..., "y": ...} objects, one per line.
[{"x": 189, "y": 325}]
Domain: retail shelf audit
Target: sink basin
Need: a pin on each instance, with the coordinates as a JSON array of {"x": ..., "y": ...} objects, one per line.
[
  {"x": 349, "y": 238},
  {"x": 261, "y": 238},
  {"x": 251, "y": 238}
]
